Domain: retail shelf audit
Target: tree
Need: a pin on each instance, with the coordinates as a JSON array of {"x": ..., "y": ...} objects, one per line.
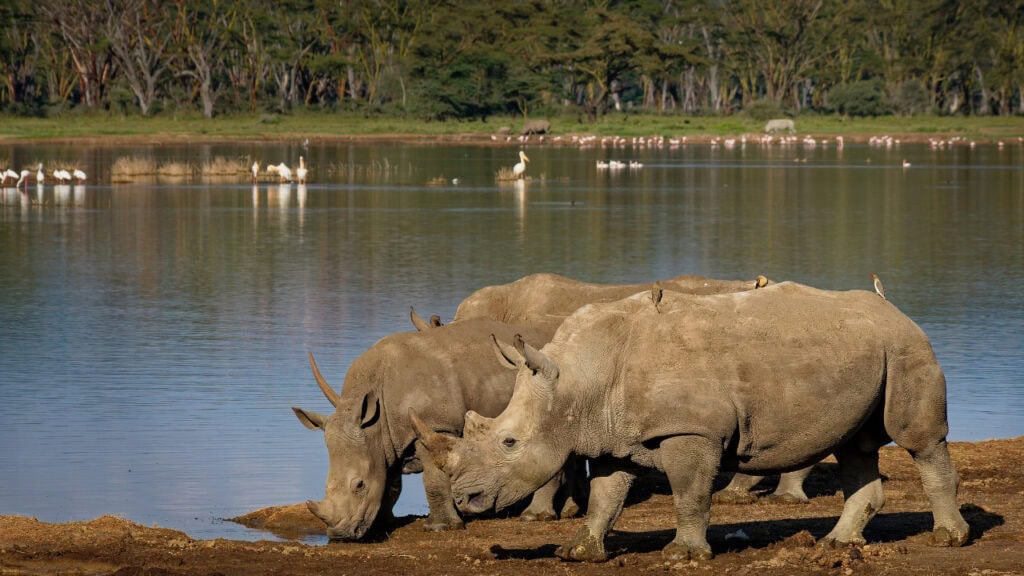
[
  {"x": 138, "y": 35},
  {"x": 204, "y": 31},
  {"x": 81, "y": 27}
]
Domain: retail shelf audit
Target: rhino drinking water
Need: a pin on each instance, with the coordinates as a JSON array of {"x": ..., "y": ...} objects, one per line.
[{"x": 761, "y": 381}]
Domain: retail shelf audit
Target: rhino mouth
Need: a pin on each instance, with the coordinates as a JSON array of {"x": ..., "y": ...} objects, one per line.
[{"x": 476, "y": 503}]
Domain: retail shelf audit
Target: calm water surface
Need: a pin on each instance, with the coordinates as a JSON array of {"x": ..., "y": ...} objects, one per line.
[{"x": 153, "y": 335}]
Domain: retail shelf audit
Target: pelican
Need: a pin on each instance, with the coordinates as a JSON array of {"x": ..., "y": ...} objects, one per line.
[
  {"x": 300, "y": 172},
  {"x": 40, "y": 177},
  {"x": 255, "y": 170},
  {"x": 62, "y": 176},
  {"x": 79, "y": 175},
  {"x": 906, "y": 164},
  {"x": 519, "y": 168},
  {"x": 282, "y": 170}
]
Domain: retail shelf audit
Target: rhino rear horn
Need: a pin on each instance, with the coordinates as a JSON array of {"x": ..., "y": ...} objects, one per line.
[
  {"x": 329, "y": 392},
  {"x": 437, "y": 445},
  {"x": 536, "y": 360}
]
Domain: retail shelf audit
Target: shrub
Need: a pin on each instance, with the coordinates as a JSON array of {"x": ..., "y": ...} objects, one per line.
[
  {"x": 861, "y": 98},
  {"x": 911, "y": 98},
  {"x": 763, "y": 110}
]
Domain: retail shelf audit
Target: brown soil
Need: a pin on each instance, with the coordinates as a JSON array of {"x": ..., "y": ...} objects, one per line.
[{"x": 781, "y": 536}]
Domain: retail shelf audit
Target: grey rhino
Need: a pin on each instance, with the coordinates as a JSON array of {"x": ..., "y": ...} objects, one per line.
[
  {"x": 760, "y": 381},
  {"x": 441, "y": 372},
  {"x": 780, "y": 125},
  {"x": 545, "y": 300}
]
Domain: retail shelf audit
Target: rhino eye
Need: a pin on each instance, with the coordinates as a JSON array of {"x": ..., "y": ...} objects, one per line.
[
  {"x": 358, "y": 485},
  {"x": 509, "y": 442}
]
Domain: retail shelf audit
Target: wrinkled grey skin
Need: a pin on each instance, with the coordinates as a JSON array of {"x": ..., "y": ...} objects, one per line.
[
  {"x": 440, "y": 372},
  {"x": 546, "y": 300},
  {"x": 759, "y": 382},
  {"x": 780, "y": 125}
]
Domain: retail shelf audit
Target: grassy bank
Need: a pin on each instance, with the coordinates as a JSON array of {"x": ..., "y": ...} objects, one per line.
[{"x": 335, "y": 125}]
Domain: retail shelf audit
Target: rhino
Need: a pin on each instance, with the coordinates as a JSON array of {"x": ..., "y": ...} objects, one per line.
[
  {"x": 440, "y": 371},
  {"x": 546, "y": 300},
  {"x": 758, "y": 381},
  {"x": 780, "y": 125},
  {"x": 535, "y": 127}
]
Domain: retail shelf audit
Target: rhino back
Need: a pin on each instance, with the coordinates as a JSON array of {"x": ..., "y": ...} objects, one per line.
[{"x": 754, "y": 368}]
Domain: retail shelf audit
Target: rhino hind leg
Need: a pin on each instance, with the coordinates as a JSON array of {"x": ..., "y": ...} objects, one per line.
[
  {"x": 738, "y": 491},
  {"x": 791, "y": 487},
  {"x": 862, "y": 490},
  {"x": 690, "y": 462},
  {"x": 940, "y": 481},
  {"x": 608, "y": 490},
  {"x": 443, "y": 515}
]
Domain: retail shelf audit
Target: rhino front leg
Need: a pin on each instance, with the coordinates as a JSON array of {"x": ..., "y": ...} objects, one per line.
[
  {"x": 690, "y": 462},
  {"x": 437, "y": 484},
  {"x": 608, "y": 489},
  {"x": 862, "y": 489},
  {"x": 542, "y": 505}
]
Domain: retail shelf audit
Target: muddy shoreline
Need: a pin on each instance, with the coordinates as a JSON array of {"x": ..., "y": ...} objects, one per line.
[{"x": 776, "y": 539}]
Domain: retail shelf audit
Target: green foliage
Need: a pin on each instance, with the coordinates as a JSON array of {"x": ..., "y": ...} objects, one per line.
[
  {"x": 862, "y": 98},
  {"x": 763, "y": 110},
  {"x": 911, "y": 98}
]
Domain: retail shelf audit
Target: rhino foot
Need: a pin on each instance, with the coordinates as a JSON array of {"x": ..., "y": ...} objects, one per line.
[
  {"x": 733, "y": 497},
  {"x": 835, "y": 543},
  {"x": 679, "y": 552},
  {"x": 440, "y": 526},
  {"x": 570, "y": 509},
  {"x": 544, "y": 516},
  {"x": 944, "y": 537},
  {"x": 788, "y": 498},
  {"x": 585, "y": 547}
]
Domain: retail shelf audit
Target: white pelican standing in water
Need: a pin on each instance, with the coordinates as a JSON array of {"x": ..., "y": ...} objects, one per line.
[
  {"x": 300, "y": 172},
  {"x": 255, "y": 170},
  {"x": 282, "y": 170},
  {"x": 79, "y": 175},
  {"x": 520, "y": 168},
  {"x": 40, "y": 177},
  {"x": 62, "y": 176}
]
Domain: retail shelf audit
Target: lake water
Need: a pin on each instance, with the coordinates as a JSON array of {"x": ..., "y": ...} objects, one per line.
[{"x": 153, "y": 335}]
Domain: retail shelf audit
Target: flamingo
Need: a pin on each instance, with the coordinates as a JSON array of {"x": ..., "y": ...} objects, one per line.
[
  {"x": 24, "y": 178},
  {"x": 282, "y": 170},
  {"x": 62, "y": 176},
  {"x": 300, "y": 172},
  {"x": 255, "y": 170},
  {"x": 40, "y": 177},
  {"x": 9, "y": 174},
  {"x": 520, "y": 168},
  {"x": 79, "y": 175}
]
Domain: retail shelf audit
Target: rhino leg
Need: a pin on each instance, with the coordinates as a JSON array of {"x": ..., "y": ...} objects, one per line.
[
  {"x": 574, "y": 487},
  {"x": 542, "y": 505},
  {"x": 738, "y": 491},
  {"x": 691, "y": 463},
  {"x": 443, "y": 515},
  {"x": 862, "y": 489},
  {"x": 608, "y": 490},
  {"x": 940, "y": 481},
  {"x": 791, "y": 487},
  {"x": 394, "y": 489}
]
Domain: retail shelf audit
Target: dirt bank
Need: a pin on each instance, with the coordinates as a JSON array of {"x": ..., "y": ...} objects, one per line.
[{"x": 779, "y": 537}]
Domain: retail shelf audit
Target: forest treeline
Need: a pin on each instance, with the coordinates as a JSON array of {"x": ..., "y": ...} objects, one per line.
[{"x": 432, "y": 59}]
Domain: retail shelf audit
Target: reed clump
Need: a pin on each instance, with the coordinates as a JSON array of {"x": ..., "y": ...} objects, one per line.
[
  {"x": 128, "y": 166},
  {"x": 222, "y": 166}
]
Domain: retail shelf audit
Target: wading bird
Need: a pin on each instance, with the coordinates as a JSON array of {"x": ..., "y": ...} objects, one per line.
[
  {"x": 519, "y": 168},
  {"x": 282, "y": 170},
  {"x": 255, "y": 170},
  {"x": 300, "y": 172},
  {"x": 40, "y": 177},
  {"x": 79, "y": 175},
  {"x": 62, "y": 176},
  {"x": 878, "y": 286}
]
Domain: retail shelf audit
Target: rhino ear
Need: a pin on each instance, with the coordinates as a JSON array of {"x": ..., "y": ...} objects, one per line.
[
  {"x": 370, "y": 411},
  {"x": 536, "y": 360},
  {"x": 417, "y": 321},
  {"x": 310, "y": 420},
  {"x": 438, "y": 445},
  {"x": 508, "y": 356},
  {"x": 476, "y": 425}
]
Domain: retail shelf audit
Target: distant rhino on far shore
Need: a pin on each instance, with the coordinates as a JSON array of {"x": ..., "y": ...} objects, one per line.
[
  {"x": 536, "y": 127},
  {"x": 780, "y": 125}
]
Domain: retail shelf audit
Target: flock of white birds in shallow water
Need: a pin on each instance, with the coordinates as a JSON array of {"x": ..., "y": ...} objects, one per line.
[
  {"x": 12, "y": 179},
  {"x": 283, "y": 172}
]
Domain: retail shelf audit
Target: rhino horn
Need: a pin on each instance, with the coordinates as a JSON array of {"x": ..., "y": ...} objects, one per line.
[
  {"x": 437, "y": 445},
  {"x": 508, "y": 356},
  {"x": 417, "y": 321},
  {"x": 536, "y": 360},
  {"x": 329, "y": 392}
]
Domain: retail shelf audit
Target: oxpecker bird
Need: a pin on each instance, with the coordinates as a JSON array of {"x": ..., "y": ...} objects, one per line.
[
  {"x": 656, "y": 295},
  {"x": 520, "y": 168},
  {"x": 878, "y": 286}
]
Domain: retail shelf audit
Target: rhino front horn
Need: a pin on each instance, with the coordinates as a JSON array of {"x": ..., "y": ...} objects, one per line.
[{"x": 438, "y": 445}]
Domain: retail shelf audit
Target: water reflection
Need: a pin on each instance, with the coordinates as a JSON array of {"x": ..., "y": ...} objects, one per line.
[{"x": 167, "y": 321}]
